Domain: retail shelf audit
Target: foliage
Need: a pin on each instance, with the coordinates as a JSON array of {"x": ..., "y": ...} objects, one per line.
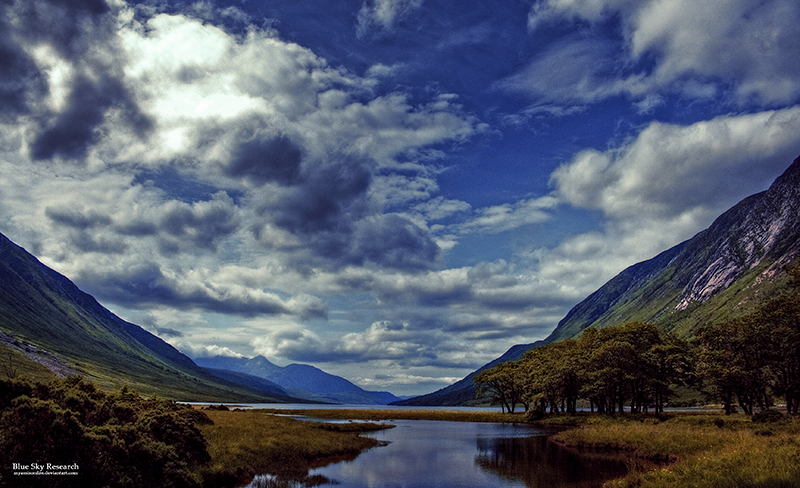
[
  {"x": 117, "y": 440},
  {"x": 636, "y": 363},
  {"x": 756, "y": 356},
  {"x": 749, "y": 360}
]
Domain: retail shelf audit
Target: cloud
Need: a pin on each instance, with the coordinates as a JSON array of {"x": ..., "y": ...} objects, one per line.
[
  {"x": 381, "y": 15},
  {"x": 663, "y": 187},
  {"x": 668, "y": 46},
  {"x": 508, "y": 216}
]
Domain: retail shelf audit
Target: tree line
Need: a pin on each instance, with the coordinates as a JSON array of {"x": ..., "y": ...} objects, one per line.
[{"x": 752, "y": 360}]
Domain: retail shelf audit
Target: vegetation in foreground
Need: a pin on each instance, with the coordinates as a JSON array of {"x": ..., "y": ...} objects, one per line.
[
  {"x": 697, "y": 450},
  {"x": 108, "y": 439},
  {"x": 244, "y": 443}
]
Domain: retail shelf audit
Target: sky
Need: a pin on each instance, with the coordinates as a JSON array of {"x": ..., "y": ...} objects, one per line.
[{"x": 395, "y": 191}]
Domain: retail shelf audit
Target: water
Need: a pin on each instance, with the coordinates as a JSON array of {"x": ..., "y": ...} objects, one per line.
[{"x": 428, "y": 454}]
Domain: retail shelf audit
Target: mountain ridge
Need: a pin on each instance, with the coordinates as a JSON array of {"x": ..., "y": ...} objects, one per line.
[
  {"x": 300, "y": 380},
  {"x": 42, "y": 311},
  {"x": 720, "y": 272}
]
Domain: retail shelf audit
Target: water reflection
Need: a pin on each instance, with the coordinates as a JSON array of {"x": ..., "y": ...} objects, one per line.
[
  {"x": 541, "y": 463},
  {"x": 470, "y": 455}
]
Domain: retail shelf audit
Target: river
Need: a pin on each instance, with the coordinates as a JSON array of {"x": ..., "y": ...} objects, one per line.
[{"x": 440, "y": 454}]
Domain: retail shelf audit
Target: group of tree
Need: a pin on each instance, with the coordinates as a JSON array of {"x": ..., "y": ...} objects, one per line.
[
  {"x": 633, "y": 364},
  {"x": 752, "y": 360},
  {"x": 109, "y": 439}
]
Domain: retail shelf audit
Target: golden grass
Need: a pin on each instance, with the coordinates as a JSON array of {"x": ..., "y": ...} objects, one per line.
[
  {"x": 706, "y": 451},
  {"x": 403, "y": 414},
  {"x": 245, "y": 443}
]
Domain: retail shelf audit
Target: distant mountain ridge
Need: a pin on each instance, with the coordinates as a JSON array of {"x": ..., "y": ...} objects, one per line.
[
  {"x": 300, "y": 380},
  {"x": 719, "y": 273}
]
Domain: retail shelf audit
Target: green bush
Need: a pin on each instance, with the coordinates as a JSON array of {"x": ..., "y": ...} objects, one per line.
[{"x": 117, "y": 440}]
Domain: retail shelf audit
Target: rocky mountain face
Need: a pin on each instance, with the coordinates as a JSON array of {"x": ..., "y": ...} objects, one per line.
[
  {"x": 300, "y": 380},
  {"x": 719, "y": 273}
]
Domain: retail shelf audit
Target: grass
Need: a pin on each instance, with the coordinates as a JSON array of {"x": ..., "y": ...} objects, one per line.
[
  {"x": 702, "y": 451},
  {"x": 402, "y": 414},
  {"x": 244, "y": 443}
]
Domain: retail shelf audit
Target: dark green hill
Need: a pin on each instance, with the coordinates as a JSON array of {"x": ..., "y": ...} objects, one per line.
[
  {"x": 723, "y": 271},
  {"x": 41, "y": 310}
]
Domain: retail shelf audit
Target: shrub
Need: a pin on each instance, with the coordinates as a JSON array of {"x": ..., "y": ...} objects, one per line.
[{"x": 117, "y": 440}]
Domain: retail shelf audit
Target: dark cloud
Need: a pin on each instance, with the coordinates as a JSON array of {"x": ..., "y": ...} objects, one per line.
[
  {"x": 330, "y": 210},
  {"x": 77, "y": 220},
  {"x": 83, "y": 33},
  {"x": 86, "y": 243},
  {"x": 146, "y": 285},
  {"x": 204, "y": 224},
  {"x": 71, "y": 133},
  {"x": 327, "y": 200},
  {"x": 395, "y": 242},
  {"x": 71, "y": 27},
  {"x": 271, "y": 160},
  {"x": 137, "y": 228}
]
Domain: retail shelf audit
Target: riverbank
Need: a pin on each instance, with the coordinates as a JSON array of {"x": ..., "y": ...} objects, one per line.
[
  {"x": 680, "y": 449},
  {"x": 697, "y": 450},
  {"x": 377, "y": 415},
  {"x": 245, "y": 443}
]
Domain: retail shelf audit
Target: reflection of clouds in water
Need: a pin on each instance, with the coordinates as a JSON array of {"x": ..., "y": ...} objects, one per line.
[
  {"x": 270, "y": 481},
  {"x": 466, "y": 454}
]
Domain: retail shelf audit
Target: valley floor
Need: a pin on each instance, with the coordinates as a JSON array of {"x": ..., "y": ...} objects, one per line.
[{"x": 676, "y": 450}]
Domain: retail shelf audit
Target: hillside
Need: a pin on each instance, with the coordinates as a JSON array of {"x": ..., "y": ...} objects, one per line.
[
  {"x": 300, "y": 380},
  {"x": 721, "y": 272},
  {"x": 45, "y": 319}
]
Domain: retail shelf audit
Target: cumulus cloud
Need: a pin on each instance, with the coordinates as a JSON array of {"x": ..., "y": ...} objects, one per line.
[
  {"x": 664, "y": 186},
  {"x": 668, "y": 46},
  {"x": 196, "y": 143}
]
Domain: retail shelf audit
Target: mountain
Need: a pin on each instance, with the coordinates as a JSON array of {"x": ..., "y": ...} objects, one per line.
[
  {"x": 462, "y": 392},
  {"x": 719, "y": 273},
  {"x": 45, "y": 318},
  {"x": 300, "y": 380}
]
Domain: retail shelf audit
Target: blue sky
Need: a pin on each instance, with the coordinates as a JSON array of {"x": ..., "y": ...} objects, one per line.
[{"x": 395, "y": 191}]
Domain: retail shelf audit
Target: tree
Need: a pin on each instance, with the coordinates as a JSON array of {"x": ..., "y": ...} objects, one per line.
[{"x": 504, "y": 382}]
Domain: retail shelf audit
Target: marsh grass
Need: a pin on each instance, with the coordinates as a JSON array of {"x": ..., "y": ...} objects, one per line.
[
  {"x": 244, "y": 443},
  {"x": 403, "y": 414},
  {"x": 699, "y": 451}
]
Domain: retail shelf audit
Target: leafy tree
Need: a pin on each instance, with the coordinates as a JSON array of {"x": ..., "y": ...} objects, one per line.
[{"x": 504, "y": 382}]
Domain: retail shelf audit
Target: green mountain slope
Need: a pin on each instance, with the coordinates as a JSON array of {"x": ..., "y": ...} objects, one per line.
[
  {"x": 42, "y": 310},
  {"x": 722, "y": 272}
]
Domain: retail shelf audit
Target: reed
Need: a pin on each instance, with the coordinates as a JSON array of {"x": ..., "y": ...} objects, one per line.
[
  {"x": 699, "y": 451},
  {"x": 244, "y": 443},
  {"x": 403, "y": 414}
]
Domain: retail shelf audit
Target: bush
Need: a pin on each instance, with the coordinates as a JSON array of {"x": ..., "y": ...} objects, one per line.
[
  {"x": 117, "y": 440},
  {"x": 768, "y": 416}
]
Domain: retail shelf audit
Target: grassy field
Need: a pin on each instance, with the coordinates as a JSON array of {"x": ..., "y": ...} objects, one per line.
[
  {"x": 698, "y": 450},
  {"x": 243, "y": 443}
]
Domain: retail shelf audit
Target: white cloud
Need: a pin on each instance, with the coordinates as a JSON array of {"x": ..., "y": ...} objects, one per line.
[
  {"x": 381, "y": 15},
  {"x": 664, "y": 186},
  {"x": 711, "y": 44},
  {"x": 507, "y": 217}
]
